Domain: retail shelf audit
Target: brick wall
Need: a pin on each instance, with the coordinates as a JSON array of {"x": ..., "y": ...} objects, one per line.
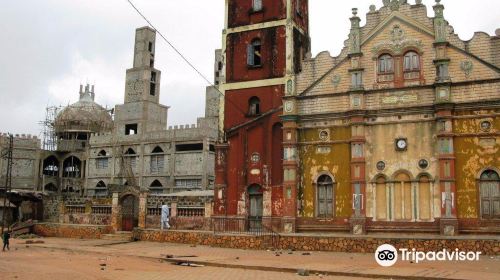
[{"x": 71, "y": 231}]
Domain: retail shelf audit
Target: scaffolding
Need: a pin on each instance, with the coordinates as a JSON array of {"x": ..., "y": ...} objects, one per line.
[
  {"x": 8, "y": 180},
  {"x": 49, "y": 138}
]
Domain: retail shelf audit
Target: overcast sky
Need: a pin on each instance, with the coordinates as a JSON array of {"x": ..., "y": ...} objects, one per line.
[{"x": 50, "y": 47}]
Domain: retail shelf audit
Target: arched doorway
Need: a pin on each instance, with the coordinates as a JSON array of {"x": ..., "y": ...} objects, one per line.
[
  {"x": 256, "y": 206},
  {"x": 325, "y": 203},
  {"x": 130, "y": 212},
  {"x": 489, "y": 184}
]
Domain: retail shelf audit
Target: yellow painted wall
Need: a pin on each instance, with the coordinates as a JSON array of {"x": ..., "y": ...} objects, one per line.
[
  {"x": 471, "y": 159},
  {"x": 336, "y": 162}
]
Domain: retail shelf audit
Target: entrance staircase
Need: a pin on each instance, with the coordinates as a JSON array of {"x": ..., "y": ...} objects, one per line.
[{"x": 120, "y": 236}]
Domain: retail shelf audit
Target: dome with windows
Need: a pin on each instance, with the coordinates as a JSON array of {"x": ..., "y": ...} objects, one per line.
[{"x": 84, "y": 116}]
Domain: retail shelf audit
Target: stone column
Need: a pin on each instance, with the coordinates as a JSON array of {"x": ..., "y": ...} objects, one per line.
[
  {"x": 220, "y": 187},
  {"x": 358, "y": 176},
  {"x": 290, "y": 167},
  {"x": 116, "y": 223},
  {"x": 143, "y": 201}
]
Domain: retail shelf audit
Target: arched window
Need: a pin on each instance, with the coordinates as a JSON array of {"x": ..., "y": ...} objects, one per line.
[
  {"x": 254, "y": 57},
  {"x": 156, "y": 187},
  {"x": 254, "y": 106},
  {"x": 402, "y": 197},
  {"x": 51, "y": 166},
  {"x": 102, "y": 160},
  {"x": 72, "y": 167},
  {"x": 490, "y": 195},
  {"x": 157, "y": 160},
  {"x": 257, "y": 5},
  {"x": 101, "y": 189},
  {"x": 324, "y": 197},
  {"x": 385, "y": 64},
  {"x": 130, "y": 151},
  {"x": 131, "y": 158},
  {"x": 424, "y": 198},
  {"x": 383, "y": 207},
  {"x": 411, "y": 62}
]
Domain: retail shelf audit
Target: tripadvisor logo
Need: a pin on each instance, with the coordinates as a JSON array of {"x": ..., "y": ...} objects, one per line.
[{"x": 387, "y": 255}]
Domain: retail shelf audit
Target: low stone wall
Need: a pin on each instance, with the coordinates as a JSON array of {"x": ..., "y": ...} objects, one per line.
[
  {"x": 344, "y": 243},
  {"x": 207, "y": 238},
  {"x": 71, "y": 231},
  {"x": 347, "y": 244}
]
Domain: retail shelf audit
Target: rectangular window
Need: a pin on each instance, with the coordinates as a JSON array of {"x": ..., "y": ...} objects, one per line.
[
  {"x": 150, "y": 47},
  {"x": 257, "y": 5},
  {"x": 152, "y": 89},
  {"x": 188, "y": 183},
  {"x": 102, "y": 163},
  {"x": 189, "y": 147},
  {"x": 357, "y": 80},
  {"x": 131, "y": 129},
  {"x": 157, "y": 163},
  {"x": 443, "y": 72},
  {"x": 153, "y": 77}
]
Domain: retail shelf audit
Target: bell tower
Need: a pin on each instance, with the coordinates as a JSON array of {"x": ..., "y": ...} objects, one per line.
[
  {"x": 264, "y": 43},
  {"x": 142, "y": 110}
]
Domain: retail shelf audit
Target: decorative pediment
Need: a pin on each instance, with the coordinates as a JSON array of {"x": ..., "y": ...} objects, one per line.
[
  {"x": 123, "y": 189},
  {"x": 398, "y": 43}
]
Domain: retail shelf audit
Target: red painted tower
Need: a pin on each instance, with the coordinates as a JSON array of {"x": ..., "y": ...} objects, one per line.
[{"x": 264, "y": 42}]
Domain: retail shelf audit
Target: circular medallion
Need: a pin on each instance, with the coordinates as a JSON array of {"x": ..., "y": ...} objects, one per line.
[
  {"x": 380, "y": 166},
  {"x": 423, "y": 164},
  {"x": 486, "y": 126}
]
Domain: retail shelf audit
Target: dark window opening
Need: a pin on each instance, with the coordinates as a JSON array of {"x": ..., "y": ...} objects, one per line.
[
  {"x": 102, "y": 153},
  {"x": 72, "y": 167},
  {"x": 150, "y": 47},
  {"x": 153, "y": 77},
  {"x": 51, "y": 166},
  {"x": 151, "y": 63},
  {"x": 254, "y": 57},
  {"x": 82, "y": 136},
  {"x": 157, "y": 150},
  {"x": 131, "y": 129},
  {"x": 212, "y": 148},
  {"x": 189, "y": 147},
  {"x": 220, "y": 65},
  {"x": 254, "y": 106},
  {"x": 152, "y": 89},
  {"x": 130, "y": 151}
]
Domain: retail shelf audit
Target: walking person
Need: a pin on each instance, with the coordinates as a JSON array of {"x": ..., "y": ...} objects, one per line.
[
  {"x": 6, "y": 237},
  {"x": 165, "y": 213}
]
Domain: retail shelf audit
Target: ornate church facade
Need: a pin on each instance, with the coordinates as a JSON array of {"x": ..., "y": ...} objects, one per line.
[{"x": 399, "y": 132}]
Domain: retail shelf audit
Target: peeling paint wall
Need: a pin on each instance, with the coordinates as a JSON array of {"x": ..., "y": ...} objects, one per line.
[
  {"x": 335, "y": 162},
  {"x": 474, "y": 154}
]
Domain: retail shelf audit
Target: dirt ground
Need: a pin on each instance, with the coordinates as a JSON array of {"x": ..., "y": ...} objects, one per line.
[{"x": 32, "y": 262}]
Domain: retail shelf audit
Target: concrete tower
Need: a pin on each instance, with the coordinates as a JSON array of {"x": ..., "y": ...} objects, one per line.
[{"x": 142, "y": 111}]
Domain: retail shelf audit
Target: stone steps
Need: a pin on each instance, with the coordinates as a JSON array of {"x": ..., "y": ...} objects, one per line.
[{"x": 118, "y": 236}]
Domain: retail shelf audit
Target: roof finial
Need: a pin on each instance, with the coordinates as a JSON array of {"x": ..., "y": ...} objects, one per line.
[{"x": 354, "y": 11}]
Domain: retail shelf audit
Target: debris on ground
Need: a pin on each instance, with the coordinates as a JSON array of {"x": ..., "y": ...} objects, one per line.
[
  {"x": 303, "y": 272},
  {"x": 27, "y": 236},
  {"x": 34, "y": 242},
  {"x": 189, "y": 264},
  {"x": 306, "y": 254}
]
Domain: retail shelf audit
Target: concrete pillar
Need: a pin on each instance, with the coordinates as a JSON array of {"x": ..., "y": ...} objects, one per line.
[
  {"x": 115, "y": 213},
  {"x": 173, "y": 209},
  {"x": 143, "y": 201}
]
